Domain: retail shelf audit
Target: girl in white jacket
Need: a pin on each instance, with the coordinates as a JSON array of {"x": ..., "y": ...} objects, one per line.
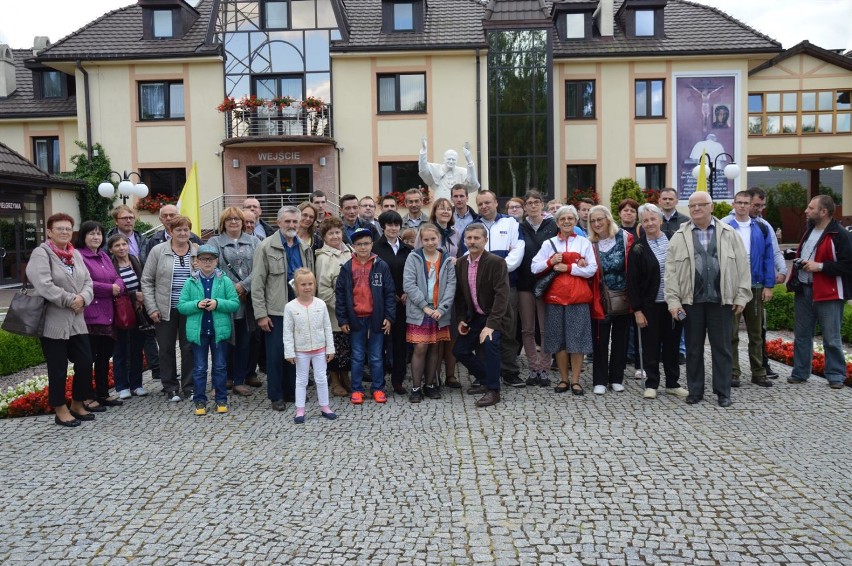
[{"x": 308, "y": 341}]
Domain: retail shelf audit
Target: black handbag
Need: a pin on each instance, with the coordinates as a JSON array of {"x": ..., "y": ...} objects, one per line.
[
  {"x": 26, "y": 313},
  {"x": 543, "y": 283}
]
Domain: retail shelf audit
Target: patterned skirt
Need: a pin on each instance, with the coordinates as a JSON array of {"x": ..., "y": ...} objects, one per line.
[
  {"x": 568, "y": 328},
  {"x": 427, "y": 332},
  {"x": 342, "y": 352}
]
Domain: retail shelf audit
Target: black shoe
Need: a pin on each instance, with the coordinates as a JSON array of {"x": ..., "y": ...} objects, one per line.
[
  {"x": 399, "y": 389},
  {"x": 770, "y": 374},
  {"x": 416, "y": 395},
  {"x": 762, "y": 382},
  {"x": 431, "y": 392},
  {"x": 681, "y": 359},
  {"x": 279, "y": 405},
  {"x": 79, "y": 417},
  {"x": 533, "y": 380},
  {"x": 724, "y": 401},
  {"x": 693, "y": 399},
  {"x": 543, "y": 381},
  {"x": 108, "y": 402},
  {"x": 70, "y": 424},
  {"x": 91, "y": 409},
  {"x": 735, "y": 382},
  {"x": 513, "y": 381}
]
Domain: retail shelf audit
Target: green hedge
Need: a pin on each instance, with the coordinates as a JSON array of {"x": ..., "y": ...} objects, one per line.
[
  {"x": 780, "y": 313},
  {"x": 18, "y": 352}
]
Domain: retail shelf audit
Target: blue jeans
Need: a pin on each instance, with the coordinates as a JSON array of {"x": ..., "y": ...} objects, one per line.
[
  {"x": 219, "y": 353},
  {"x": 127, "y": 359},
  {"x": 367, "y": 344},
  {"x": 487, "y": 373},
  {"x": 830, "y": 317},
  {"x": 280, "y": 375}
]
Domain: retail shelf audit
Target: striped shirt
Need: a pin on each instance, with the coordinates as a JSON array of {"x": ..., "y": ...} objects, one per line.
[
  {"x": 660, "y": 247},
  {"x": 179, "y": 276},
  {"x": 131, "y": 282}
]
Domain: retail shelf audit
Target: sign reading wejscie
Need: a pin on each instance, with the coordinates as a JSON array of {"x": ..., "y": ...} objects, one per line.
[{"x": 280, "y": 156}]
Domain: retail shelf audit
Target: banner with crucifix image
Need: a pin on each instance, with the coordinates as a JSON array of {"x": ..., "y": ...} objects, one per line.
[{"x": 705, "y": 122}]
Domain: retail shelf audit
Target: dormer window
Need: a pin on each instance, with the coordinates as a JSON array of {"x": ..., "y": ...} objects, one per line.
[
  {"x": 642, "y": 18},
  {"x": 163, "y": 23},
  {"x": 575, "y": 26},
  {"x": 52, "y": 84},
  {"x": 402, "y": 16},
  {"x": 644, "y": 23}
]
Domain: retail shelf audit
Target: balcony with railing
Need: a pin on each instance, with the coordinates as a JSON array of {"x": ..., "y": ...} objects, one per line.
[{"x": 293, "y": 121}]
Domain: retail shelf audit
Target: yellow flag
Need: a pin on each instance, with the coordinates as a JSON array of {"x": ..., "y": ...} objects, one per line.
[
  {"x": 702, "y": 174},
  {"x": 188, "y": 203}
]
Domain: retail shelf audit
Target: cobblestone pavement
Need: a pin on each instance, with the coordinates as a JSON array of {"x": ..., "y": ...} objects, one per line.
[{"x": 539, "y": 479}]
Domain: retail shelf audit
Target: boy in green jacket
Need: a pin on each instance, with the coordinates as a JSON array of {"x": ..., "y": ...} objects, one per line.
[{"x": 207, "y": 300}]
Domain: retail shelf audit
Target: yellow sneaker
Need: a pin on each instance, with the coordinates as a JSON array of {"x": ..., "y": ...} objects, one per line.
[
  {"x": 221, "y": 408},
  {"x": 200, "y": 409}
]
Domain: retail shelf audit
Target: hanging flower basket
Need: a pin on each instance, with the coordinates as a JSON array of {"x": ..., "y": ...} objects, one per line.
[{"x": 313, "y": 103}]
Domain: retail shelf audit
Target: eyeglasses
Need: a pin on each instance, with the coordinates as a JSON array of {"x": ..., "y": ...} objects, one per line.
[
  {"x": 363, "y": 244},
  {"x": 597, "y": 220},
  {"x": 126, "y": 218},
  {"x": 698, "y": 205},
  {"x": 533, "y": 203},
  {"x": 205, "y": 258},
  {"x": 61, "y": 229},
  {"x": 758, "y": 206},
  {"x": 233, "y": 219}
]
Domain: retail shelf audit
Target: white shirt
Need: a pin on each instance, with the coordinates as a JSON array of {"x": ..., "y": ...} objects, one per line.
[{"x": 744, "y": 230}]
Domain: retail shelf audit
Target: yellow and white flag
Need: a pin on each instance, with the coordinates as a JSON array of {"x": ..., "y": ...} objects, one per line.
[
  {"x": 702, "y": 174},
  {"x": 188, "y": 204}
]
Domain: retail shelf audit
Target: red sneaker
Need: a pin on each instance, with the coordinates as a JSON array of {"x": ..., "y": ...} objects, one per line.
[
  {"x": 357, "y": 398},
  {"x": 379, "y": 397}
]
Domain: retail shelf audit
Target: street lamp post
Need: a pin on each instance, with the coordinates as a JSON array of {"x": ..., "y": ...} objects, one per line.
[
  {"x": 731, "y": 170},
  {"x": 126, "y": 187}
]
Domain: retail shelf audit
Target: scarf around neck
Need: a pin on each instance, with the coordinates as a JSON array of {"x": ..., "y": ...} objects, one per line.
[{"x": 66, "y": 255}]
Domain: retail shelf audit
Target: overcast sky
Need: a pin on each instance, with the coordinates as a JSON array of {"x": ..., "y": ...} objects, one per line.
[{"x": 827, "y": 23}]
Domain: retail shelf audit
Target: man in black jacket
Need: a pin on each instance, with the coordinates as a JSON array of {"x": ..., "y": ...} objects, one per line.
[
  {"x": 672, "y": 219},
  {"x": 393, "y": 251},
  {"x": 166, "y": 214}
]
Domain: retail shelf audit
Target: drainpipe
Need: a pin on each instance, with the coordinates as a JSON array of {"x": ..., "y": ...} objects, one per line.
[
  {"x": 88, "y": 109},
  {"x": 478, "y": 114}
]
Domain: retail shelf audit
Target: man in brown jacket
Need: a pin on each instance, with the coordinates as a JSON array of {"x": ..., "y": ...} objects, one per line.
[{"x": 482, "y": 311}]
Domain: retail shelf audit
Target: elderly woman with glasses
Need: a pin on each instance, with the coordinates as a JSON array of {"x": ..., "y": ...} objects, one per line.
[
  {"x": 167, "y": 268},
  {"x": 567, "y": 326},
  {"x": 611, "y": 245},
  {"x": 236, "y": 252},
  {"x": 57, "y": 273}
]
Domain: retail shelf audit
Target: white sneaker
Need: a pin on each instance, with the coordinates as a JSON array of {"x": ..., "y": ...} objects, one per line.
[
  {"x": 140, "y": 392},
  {"x": 175, "y": 398},
  {"x": 650, "y": 394},
  {"x": 678, "y": 391},
  {"x": 617, "y": 387},
  {"x": 125, "y": 394},
  {"x": 640, "y": 374},
  {"x": 599, "y": 389}
]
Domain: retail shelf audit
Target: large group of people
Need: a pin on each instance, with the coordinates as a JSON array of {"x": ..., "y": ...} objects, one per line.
[{"x": 350, "y": 299}]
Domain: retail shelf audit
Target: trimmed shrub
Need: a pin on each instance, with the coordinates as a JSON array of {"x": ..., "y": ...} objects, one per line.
[
  {"x": 622, "y": 189},
  {"x": 18, "y": 352},
  {"x": 721, "y": 209}
]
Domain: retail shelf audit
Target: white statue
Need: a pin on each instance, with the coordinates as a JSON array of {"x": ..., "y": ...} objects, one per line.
[{"x": 441, "y": 178}]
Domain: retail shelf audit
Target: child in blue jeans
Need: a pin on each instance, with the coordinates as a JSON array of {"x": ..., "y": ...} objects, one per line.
[
  {"x": 207, "y": 300},
  {"x": 365, "y": 305}
]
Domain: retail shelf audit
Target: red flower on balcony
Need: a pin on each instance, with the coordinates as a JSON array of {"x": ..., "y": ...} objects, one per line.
[
  {"x": 313, "y": 103},
  {"x": 154, "y": 203},
  {"x": 228, "y": 105},
  {"x": 575, "y": 196}
]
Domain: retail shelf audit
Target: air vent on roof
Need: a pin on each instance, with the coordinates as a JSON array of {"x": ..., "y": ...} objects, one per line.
[{"x": 7, "y": 71}]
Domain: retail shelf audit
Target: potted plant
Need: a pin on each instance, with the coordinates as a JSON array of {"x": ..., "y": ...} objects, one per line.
[
  {"x": 227, "y": 105},
  {"x": 282, "y": 101}
]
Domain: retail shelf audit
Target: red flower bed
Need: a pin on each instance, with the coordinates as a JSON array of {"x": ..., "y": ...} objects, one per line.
[
  {"x": 36, "y": 403},
  {"x": 782, "y": 351}
]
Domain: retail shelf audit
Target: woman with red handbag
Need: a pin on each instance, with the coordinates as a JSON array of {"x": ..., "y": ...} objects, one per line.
[
  {"x": 130, "y": 341},
  {"x": 567, "y": 331},
  {"x": 100, "y": 313}
]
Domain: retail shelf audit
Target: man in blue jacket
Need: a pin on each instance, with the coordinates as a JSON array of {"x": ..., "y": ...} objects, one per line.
[
  {"x": 758, "y": 245},
  {"x": 365, "y": 305}
]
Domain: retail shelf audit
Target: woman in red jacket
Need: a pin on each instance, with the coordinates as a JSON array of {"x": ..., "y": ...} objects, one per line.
[{"x": 567, "y": 331}]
